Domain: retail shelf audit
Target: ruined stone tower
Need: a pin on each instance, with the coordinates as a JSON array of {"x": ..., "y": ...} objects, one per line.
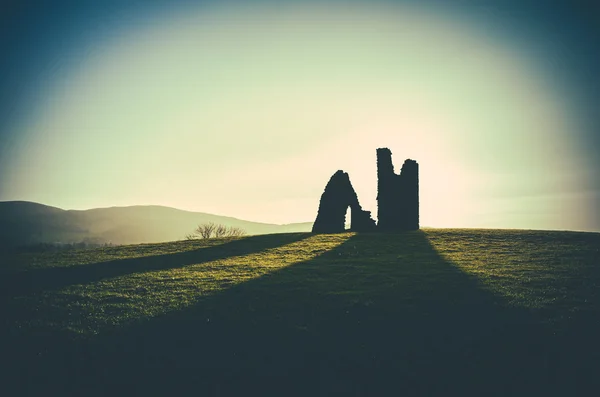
[{"x": 397, "y": 195}]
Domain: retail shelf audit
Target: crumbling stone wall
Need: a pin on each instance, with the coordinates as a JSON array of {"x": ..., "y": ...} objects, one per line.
[
  {"x": 335, "y": 200},
  {"x": 397, "y": 195}
]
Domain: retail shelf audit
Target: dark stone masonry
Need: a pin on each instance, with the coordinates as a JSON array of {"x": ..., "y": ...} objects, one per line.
[
  {"x": 337, "y": 197},
  {"x": 397, "y": 195},
  {"x": 397, "y": 200}
]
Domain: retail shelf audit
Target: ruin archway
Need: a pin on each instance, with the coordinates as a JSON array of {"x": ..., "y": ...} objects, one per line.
[{"x": 339, "y": 195}]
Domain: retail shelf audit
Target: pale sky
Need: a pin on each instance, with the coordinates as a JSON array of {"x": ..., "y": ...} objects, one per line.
[{"x": 247, "y": 112}]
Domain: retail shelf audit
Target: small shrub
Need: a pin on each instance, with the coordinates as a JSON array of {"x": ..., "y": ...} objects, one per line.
[{"x": 210, "y": 230}]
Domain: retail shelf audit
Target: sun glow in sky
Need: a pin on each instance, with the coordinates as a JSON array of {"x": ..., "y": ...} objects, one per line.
[{"x": 247, "y": 111}]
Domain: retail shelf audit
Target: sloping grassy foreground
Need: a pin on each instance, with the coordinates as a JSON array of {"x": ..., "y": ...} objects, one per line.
[{"x": 435, "y": 312}]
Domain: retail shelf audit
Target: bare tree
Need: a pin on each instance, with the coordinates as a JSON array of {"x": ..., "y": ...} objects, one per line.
[
  {"x": 236, "y": 232},
  {"x": 205, "y": 230},
  {"x": 210, "y": 230},
  {"x": 221, "y": 231}
]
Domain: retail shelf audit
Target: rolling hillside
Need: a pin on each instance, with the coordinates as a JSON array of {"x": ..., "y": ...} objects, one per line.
[
  {"x": 436, "y": 312},
  {"x": 24, "y": 223}
]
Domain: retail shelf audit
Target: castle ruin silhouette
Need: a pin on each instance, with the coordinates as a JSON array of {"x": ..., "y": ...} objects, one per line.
[{"x": 397, "y": 200}]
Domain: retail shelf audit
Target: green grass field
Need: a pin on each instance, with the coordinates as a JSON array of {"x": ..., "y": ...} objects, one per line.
[{"x": 432, "y": 312}]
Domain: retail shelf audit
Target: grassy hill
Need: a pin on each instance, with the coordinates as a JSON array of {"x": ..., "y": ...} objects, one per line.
[
  {"x": 434, "y": 312},
  {"x": 26, "y": 223}
]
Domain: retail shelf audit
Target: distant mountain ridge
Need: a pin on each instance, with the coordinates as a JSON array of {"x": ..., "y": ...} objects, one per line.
[{"x": 26, "y": 223}]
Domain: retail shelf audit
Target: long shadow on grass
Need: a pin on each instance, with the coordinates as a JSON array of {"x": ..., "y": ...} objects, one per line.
[
  {"x": 379, "y": 315},
  {"x": 27, "y": 282}
]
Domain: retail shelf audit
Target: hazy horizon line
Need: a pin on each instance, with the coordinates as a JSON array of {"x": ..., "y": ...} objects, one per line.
[{"x": 292, "y": 223}]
